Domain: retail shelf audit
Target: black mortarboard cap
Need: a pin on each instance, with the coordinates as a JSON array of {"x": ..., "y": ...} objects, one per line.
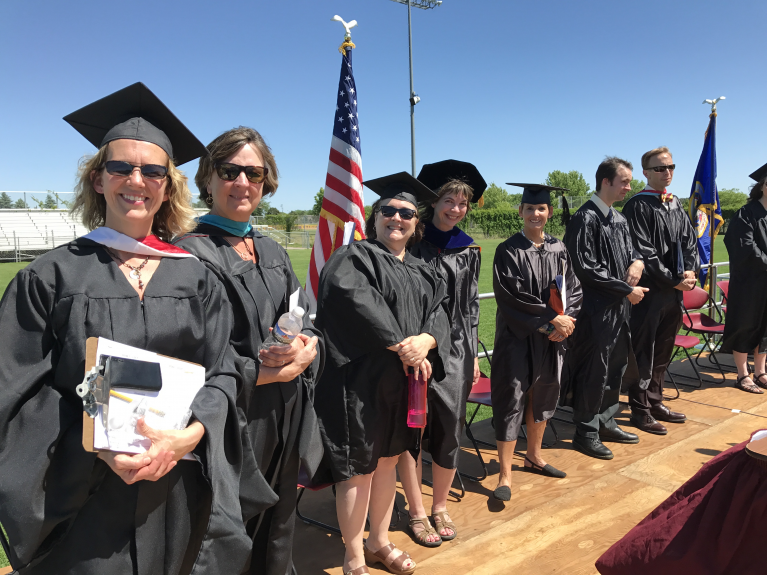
[
  {"x": 759, "y": 174},
  {"x": 537, "y": 193},
  {"x": 438, "y": 174},
  {"x": 402, "y": 186},
  {"x": 135, "y": 113}
]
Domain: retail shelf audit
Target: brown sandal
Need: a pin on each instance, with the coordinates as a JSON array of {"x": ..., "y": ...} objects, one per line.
[
  {"x": 440, "y": 520},
  {"x": 358, "y": 571},
  {"x": 757, "y": 379},
  {"x": 427, "y": 530},
  {"x": 748, "y": 387},
  {"x": 394, "y": 565}
]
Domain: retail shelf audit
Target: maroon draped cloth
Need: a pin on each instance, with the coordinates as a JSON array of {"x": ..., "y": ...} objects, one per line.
[{"x": 715, "y": 523}]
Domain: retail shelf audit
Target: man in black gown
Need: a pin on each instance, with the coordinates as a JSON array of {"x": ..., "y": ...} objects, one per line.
[
  {"x": 609, "y": 269},
  {"x": 663, "y": 234}
]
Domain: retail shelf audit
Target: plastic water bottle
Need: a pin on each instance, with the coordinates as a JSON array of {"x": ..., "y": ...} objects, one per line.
[
  {"x": 416, "y": 399},
  {"x": 286, "y": 330}
]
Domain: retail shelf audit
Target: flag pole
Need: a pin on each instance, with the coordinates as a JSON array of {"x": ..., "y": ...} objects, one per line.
[{"x": 711, "y": 226}]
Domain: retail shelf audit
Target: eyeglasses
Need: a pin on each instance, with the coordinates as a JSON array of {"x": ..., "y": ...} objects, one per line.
[
  {"x": 230, "y": 172},
  {"x": 659, "y": 169},
  {"x": 124, "y": 169},
  {"x": 404, "y": 213}
]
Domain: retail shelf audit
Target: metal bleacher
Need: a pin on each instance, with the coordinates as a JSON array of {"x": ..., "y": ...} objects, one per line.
[{"x": 27, "y": 233}]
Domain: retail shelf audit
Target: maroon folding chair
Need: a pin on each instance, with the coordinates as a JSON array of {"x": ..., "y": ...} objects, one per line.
[
  {"x": 702, "y": 324},
  {"x": 479, "y": 396},
  {"x": 685, "y": 343},
  {"x": 304, "y": 484},
  {"x": 724, "y": 286}
]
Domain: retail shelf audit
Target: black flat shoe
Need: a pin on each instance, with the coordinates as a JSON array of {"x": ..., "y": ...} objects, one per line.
[
  {"x": 502, "y": 493},
  {"x": 591, "y": 447},
  {"x": 547, "y": 470},
  {"x": 617, "y": 435}
]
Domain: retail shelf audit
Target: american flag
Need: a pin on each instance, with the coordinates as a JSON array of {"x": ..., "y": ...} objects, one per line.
[{"x": 342, "y": 205}]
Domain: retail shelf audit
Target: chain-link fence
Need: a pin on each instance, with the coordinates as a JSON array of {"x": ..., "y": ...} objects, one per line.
[{"x": 301, "y": 239}]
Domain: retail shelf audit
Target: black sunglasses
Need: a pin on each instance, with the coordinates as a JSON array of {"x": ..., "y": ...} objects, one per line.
[
  {"x": 670, "y": 168},
  {"x": 230, "y": 172},
  {"x": 151, "y": 171},
  {"x": 404, "y": 213}
]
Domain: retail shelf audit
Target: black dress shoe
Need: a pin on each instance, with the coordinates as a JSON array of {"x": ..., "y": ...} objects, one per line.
[
  {"x": 617, "y": 435},
  {"x": 663, "y": 413},
  {"x": 591, "y": 447},
  {"x": 648, "y": 424}
]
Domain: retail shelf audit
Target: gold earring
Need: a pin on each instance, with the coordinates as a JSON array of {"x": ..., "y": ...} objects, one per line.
[{"x": 209, "y": 200}]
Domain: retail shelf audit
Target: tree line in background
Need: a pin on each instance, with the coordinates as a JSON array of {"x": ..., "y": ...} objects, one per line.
[
  {"x": 498, "y": 217},
  {"x": 52, "y": 201}
]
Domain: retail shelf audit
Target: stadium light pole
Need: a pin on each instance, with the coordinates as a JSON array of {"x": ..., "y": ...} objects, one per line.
[{"x": 414, "y": 99}]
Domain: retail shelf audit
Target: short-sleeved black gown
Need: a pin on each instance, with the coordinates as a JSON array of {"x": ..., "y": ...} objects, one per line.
[
  {"x": 455, "y": 256},
  {"x": 65, "y": 511},
  {"x": 368, "y": 300},
  {"x": 745, "y": 327},
  {"x": 281, "y": 427},
  {"x": 524, "y": 358}
]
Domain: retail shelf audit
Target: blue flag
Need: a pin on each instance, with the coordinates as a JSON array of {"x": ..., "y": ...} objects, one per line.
[{"x": 704, "y": 199}]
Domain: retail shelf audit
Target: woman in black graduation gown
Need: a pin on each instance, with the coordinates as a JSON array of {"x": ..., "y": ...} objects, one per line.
[
  {"x": 381, "y": 311},
  {"x": 745, "y": 328},
  {"x": 534, "y": 318},
  {"x": 281, "y": 428},
  {"x": 68, "y": 511},
  {"x": 453, "y": 254}
]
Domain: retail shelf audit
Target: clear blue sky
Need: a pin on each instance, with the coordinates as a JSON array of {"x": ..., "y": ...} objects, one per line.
[{"x": 518, "y": 88}]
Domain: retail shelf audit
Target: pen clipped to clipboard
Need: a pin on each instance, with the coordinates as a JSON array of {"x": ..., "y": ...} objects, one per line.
[{"x": 123, "y": 384}]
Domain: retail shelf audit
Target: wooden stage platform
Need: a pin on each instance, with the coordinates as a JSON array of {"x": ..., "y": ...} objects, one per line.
[{"x": 558, "y": 525}]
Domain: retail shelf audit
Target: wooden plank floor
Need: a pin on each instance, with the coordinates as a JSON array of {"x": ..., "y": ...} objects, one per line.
[{"x": 558, "y": 526}]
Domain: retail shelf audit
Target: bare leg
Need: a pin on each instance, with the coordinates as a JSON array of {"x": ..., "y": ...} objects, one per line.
[
  {"x": 741, "y": 362},
  {"x": 411, "y": 475},
  {"x": 758, "y": 361},
  {"x": 534, "y": 433},
  {"x": 382, "y": 491},
  {"x": 443, "y": 479},
  {"x": 352, "y": 498},
  {"x": 505, "y": 456}
]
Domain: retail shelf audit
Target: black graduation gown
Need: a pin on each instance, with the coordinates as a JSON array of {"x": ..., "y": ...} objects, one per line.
[
  {"x": 660, "y": 232},
  {"x": 280, "y": 426},
  {"x": 447, "y": 397},
  {"x": 67, "y": 512},
  {"x": 745, "y": 327},
  {"x": 524, "y": 358},
  {"x": 601, "y": 251},
  {"x": 368, "y": 300}
]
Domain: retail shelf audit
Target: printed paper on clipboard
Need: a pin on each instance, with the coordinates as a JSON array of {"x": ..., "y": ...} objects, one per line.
[{"x": 162, "y": 409}]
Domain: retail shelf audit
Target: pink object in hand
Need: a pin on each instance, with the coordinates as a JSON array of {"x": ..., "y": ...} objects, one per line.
[{"x": 416, "y": 400}]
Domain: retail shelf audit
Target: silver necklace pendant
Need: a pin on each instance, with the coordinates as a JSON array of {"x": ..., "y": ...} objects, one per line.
[{"x": 134, "y": 275}]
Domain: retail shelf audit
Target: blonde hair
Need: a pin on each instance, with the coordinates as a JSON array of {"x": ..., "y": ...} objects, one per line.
[
  {"x": 175, "y": 217},
  {"x": 652, "y": 153},
  {"x": 228, "y": 144}
]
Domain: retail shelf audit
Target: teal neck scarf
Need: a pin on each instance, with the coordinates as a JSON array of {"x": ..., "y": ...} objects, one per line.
[{"x": 239, "y": 229}]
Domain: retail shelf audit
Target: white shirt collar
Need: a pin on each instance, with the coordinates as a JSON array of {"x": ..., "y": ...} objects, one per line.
[{"x": 603, "y": 207}]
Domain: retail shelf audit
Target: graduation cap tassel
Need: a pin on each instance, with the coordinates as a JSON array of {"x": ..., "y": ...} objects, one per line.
[{"x": 565, "y": 211}]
